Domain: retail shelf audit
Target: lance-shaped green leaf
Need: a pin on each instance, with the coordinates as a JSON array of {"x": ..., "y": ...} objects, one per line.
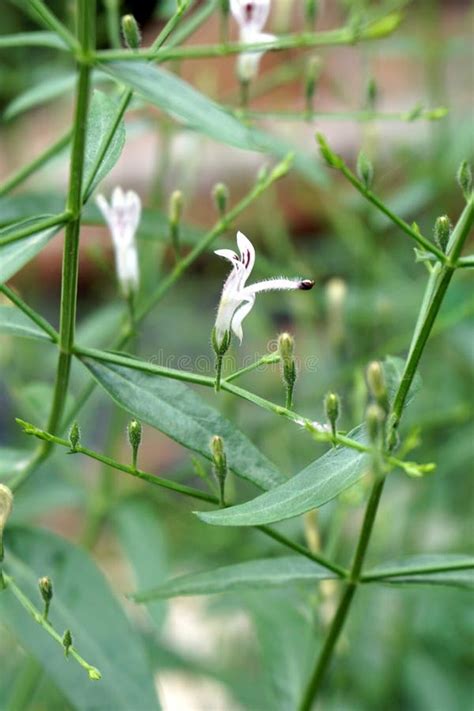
[
  {"x": 318, "y": 483},
  {"x": 173, "y": 408},
  {"x": 15, "y": 255},
  {"x": 14, "y": 322},
  {"x": 52, "y": 88},
  {"x": 452, "y": 569},
  {"x": 253, "y": 575},
  {"x": 100, "y": 125},
  {"x": 184, "y": 103},
  {"x": 83, "y": 603},
  {"x": 12, "y": 462}
]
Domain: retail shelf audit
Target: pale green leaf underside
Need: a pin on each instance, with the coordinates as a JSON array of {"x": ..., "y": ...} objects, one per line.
[
  {"x": 102, "y": 117},
  {"x": 173, "y": 408},
  {"x": 15, "y": 255},
  {"x": 428, "y": 570},
  {"x": 83, "y": 603},
  {"x": 14, "y": 322},
  {"x": 183, "y": 102},
  {"x": 253, "y": 575},
  {"x": 12, "y": 461},
  {"x": 318, "y": 483}
]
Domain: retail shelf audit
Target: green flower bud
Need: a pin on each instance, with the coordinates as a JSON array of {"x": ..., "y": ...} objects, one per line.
[
  {"x": 442, "y": 231},
  {"x": 220, "y": 348},
  {"x": 131, "y": 32},
  {"x": 175, "y": 212},
  {"x": 311, "y": 8},
  {"x": 365, "y": 170},
  {"x": 74, "y": 436},
  {"x": 313, "y": 70},
  {"x": 134, "y": 437},
  {"x": 67, "y": 642},
  {"x": 220, "y": 194},
  {"x": 332, "y": 407},
  {"x": 332, "y": 159},
  {"x": 464, "y": 177},
  {"x": 372, "y": 93},
  {"x": 6, "y": 505},
  {"x": 375, "y": 418},
  {"x": 94, "y": 674},
  {"x": 219, "y": 460},
  {"x": 45, "y": 586},
  {"x": 376, "y": 383}
]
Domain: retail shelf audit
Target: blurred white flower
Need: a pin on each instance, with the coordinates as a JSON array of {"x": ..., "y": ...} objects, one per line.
[
  {"x": 237, "y": 299},
  {"x": 251, "y": 18},
  {"x": 123, "y": 217}
]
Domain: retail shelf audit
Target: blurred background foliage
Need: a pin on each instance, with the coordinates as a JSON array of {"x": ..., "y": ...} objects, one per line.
[{"x": 407, "y": 648}]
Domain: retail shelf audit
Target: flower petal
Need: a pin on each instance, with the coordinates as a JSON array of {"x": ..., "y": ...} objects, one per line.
[
  {"x": 239, "y": 315},
  {"x": 227, "y": 254}
]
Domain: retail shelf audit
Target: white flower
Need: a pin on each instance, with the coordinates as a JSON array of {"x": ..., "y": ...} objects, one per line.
[
  {"x": 238, "y": 299},
  {"x": 123, "y": 216},
  {"x": 6, "y": 503},
  {"x": 251, "y": 18}
]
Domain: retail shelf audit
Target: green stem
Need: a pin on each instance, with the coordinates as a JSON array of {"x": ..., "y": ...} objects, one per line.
[
  {"x": 362, "y": 116},
  {"x": 26, "y": 603},
  {"x": 33, "y": 315},
  {"x": 330, "y": 38},
  {"x": 436, "y": 293},
  {"x": 217, "y": 381},
  {"x": 49, "y": 20},
  {"x": 36, "y": 226},
  {"x": 417, "y": 570},
  {"x": 23, "y": 173},
  {"x": 264, "y": 360},
  {"x": 86, "y": 32},
  {"x": 113, "y": 22},
  {"x": 177, "y": 488}
]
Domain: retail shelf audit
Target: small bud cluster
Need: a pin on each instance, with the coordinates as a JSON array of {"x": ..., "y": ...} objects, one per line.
[
  {"x": 365, "y": 170},
  {"x": 220, "y": 194},
  {"x": 131, "y": 32},
  {"x": 134, "y": 431},
  {"x": 219, "y": 461},
  {"x": 286, "y": 346},
  {"x": 45, "y": 586},
  {"x": 332, "y": 407},
  {"x": 174, "y": 215},
  {"x": 442, "y": 231}
]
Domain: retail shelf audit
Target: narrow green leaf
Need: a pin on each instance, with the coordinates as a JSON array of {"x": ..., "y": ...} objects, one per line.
[
  {"x": 173, "y": 408},
  {"x": 101, "y": 119},
  {"x": 183, "y": 102},
  {"x": 253, "y": 575},
  {"x": 13, "y": 322},
  {"x": 83, "y": 603},
  {"x": 51, "y": 88},
  {"x": 15, "y": 255},
  {"x": 33, "y": 39},
  {"x": 452, "y": 569},
  {"x": 318, "y": 483}
]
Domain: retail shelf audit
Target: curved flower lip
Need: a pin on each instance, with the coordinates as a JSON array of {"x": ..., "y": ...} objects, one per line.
[
  {"x": 238, "y": 299},
  {"x": 250, "y": 14}
]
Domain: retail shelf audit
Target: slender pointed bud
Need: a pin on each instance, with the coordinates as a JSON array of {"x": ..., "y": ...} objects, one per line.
[
  {"x": 220, "y": 194},
  {"x": 67, "y": 642},
  {"x": 45, "y": 586},
  {"x": 313, "y": 71},
  {"x": 134, "y": 437},
  {"x": 74, "y": 436},
  {"x": 131, "y": 32},
  {"x": 332, "y": 406},
  {"x": 336, "y": 295},
  {"x": 365, "y": 170},
  {"x": 311, "y": 8},
  {"x": 219, "y": 461},
  {"x": 331, "y": 158},
  {"x": 442, "y": 231},
  {"x": 372, "y": 93},
  {"x": 286, "y": 345},
  {"x": 175, "y": 213},
  {"x": 6, "y": 505},
  {"x": 464, "y": 177},
  {"x": 376, "y": 383},
  {"x": 375, "y": 418},
  {"x": 220, "y": 348}
]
